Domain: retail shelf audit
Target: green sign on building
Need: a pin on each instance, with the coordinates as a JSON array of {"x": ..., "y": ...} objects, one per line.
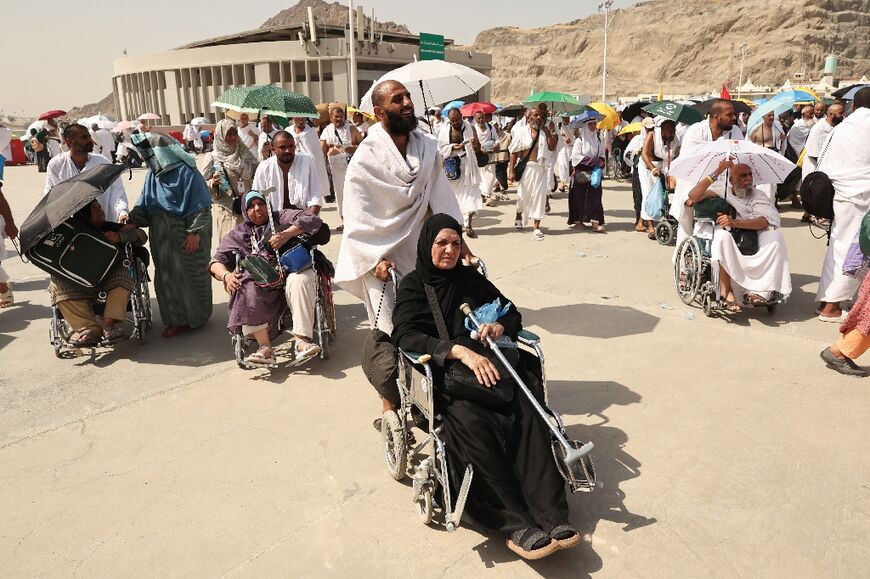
[{"x": 431, "y": 46}]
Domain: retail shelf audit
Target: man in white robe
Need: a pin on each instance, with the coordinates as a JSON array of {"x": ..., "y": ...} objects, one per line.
[
  {"x": 659, "y": 150},
  {"x": 308, "y": 143},
  {"x": 456, "y": 139},
  {"x": 249, "y": 134},
  {"x": 819, "y": 136},
  {"x": 532, "y": 142},
  {"x": 847, "y": 163},
  {"x": 264, "y": 139},
  {"x": 720, "y": 125},
  {"x": 566, "y": 134},
  {"x": 339, "y": 141},
  {"x": 487, "y": 136},
  {"x": 394, "y": 182},
  {"x": 746, "y": 279},
  {"x": 290, "y": 177},
  {"x": 80, "y": 158},
  {"x": 800, "y": 131},
  {"x": 104, "y": 140}
]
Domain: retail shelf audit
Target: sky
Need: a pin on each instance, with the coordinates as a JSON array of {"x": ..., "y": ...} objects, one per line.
[{"x": 59, "y": 53}]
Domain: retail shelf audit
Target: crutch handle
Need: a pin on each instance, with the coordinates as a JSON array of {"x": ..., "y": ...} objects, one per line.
[{"x": 466, "y": 309}]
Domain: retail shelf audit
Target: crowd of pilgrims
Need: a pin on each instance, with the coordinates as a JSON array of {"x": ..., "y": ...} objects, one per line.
[{"x": 377, "y": 173}]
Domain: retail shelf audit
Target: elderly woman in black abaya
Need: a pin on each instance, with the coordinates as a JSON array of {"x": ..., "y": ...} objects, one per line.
[{"x": 516, "y": 487}]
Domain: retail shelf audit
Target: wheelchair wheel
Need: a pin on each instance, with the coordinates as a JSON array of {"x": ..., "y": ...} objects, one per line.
[
  {"x": 707, "y": 304},
  {"x": 393, "y": 443},
  {"x": 240, "y": 347},
  {"x": 688, "y": 269},
  {"x": 424, "y": 505},
  {"x": 665, "y": 234},
  {"x": 321, "y": 326}
]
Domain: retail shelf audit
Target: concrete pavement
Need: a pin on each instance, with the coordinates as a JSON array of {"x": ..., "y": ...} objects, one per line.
[{"x": 726, "y": 447}]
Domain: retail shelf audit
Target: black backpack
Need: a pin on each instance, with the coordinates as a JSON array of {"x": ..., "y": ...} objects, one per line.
[{"x": 817, "y": 191}]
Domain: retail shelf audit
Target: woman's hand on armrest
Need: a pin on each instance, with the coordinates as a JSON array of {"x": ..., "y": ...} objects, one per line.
[{"x": 485, "y": 371}]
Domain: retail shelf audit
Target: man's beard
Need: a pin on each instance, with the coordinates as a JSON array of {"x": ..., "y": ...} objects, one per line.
[
  {"x": 397, "y": 124},
  {"x": 742, "y": 192},
  {"x": 725, "y": 125}
]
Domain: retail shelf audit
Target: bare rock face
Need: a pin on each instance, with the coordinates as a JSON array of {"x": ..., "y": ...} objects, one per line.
[
  {"x": 105, "y": 107},
  {"x": 681, "y": 46},
  {"x": 326, "y": 13}
]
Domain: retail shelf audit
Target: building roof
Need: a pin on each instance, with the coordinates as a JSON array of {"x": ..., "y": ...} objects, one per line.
[{"x": 291, "y": 33}]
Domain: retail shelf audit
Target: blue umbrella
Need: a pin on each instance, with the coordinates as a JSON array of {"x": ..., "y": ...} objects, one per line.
[
  {"x": 793, "y": 96},
  {"x": 774, "y": 106},
  {"x": 850, "y": 95},
  {"x": 760, "y": 101},
  {"x": 452, "y": 105}
]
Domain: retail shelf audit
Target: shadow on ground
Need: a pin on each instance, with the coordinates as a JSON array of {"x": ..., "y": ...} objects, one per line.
[{"x": 591, "y": 320}]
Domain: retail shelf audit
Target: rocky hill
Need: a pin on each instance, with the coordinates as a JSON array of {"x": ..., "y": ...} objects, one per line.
[
  {"x": 326, "y": 13},
  {"x": 106, "y": 107},
  {"x": 684, "y": 46}
]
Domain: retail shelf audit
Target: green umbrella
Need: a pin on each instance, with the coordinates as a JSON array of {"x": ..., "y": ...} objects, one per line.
[
  {"x": 675, "y": 112},
  {"x": 557, "y": 102},
  {"x": 267, "y": 100}
]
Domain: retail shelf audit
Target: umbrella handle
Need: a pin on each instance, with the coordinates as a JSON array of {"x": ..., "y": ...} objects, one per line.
[{"x": 18, "y": 249}]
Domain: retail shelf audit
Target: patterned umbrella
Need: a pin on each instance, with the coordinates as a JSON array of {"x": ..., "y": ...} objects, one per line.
[
  {"x": 767, "y": 166},
  {"x": 675, "y": 112},
  {"x": 267, "y": 100}
]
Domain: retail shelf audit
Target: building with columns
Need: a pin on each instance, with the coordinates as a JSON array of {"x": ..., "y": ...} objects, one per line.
[{"x": 181, "y": 84}]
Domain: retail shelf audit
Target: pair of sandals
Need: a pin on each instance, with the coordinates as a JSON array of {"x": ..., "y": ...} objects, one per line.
[
  {"x": 264, "y": 356},
  {"x": 91, "y": 337},
  {"x": 532, "y": 543}
]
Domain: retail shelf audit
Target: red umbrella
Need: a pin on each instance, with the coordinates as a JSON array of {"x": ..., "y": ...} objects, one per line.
[
  {"x": 472, "y": 109},
  {"x": 51, "y": 115}
]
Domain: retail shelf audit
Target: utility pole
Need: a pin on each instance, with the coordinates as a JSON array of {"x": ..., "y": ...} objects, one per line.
[
  {"x": 352, "y": 41},
  {"x": 743, "y": 48},
  {"x": 605, "y": 8}
]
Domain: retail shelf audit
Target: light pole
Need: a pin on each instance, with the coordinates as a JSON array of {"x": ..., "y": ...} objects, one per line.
[
  {"x": 352, "y": 40},
  {"x": 743, "y": 48},
  {"x": 605, "y": 8}
]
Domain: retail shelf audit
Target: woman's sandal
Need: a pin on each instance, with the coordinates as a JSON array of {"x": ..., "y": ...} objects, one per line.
[
  {"x": 565, "y": 536},
  {"x": 85, "y": 338},
  {"x": 259, "y": 358},
  {"x": 531, "y": 544},
  {"x": 754, "y": 300},
  {"x": 6, "y": 298}
]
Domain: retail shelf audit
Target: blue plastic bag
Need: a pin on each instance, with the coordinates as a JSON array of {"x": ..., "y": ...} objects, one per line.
[
  {"x": 595, "y": 179},
  {"x": 488, "y": 313},
  {"x": 655, "y": 200}
]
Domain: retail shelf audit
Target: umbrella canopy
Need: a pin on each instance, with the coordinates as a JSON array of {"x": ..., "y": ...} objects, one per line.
[
  {"x": 631, "y": 128},
  {"x": 267, "y": 100},
  {"x": 849, "y": 94},
  {"x": 767, "y": 166},
  {"x": 452, "y": 105},
  {"x": 102, "y": 121},
  {"x": 611, "y": 117},
  {"x": 794, "y": 96},
  {"x": 514, "y": 110},
  {"x": 472, "y": 109},
  {"x": 557, "y": 102},
  {"x": 777, "y": 107},
  {"x": 431, "y": 82},
  {"x": 633, "y": 110},
  {"x": 199, "y": 121},
  {"x": 51, "y": 114},
  {"x": 704, "y": 107},
  {"x": 675, "y": 112},
  {"x": 63, "y": 200},
  {"x": 366, "y": 116},
  {"x": 747, "y": 102},
  {"x": 149, "y": 117},
  {"x": 125, "y": 126}
]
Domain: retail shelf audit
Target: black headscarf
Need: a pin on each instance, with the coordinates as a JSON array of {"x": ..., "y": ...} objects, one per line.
[{"x": 453, "y": 287}]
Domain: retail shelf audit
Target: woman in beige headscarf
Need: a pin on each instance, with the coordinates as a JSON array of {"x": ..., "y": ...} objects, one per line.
[{"x": 229, "y": 171}]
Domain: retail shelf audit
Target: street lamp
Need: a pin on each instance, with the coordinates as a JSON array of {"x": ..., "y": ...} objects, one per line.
[
  {"x": 743, "y": 48},
  {"x": 605, "y": 8},
  {"x": 352, "y": 42}
]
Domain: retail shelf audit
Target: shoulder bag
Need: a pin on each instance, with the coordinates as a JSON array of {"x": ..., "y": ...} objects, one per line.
[
  {"x": 520, "y": 167},
  {"x": 459, "y": 380}
]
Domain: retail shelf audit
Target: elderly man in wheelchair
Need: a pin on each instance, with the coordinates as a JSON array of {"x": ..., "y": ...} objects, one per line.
[
  {"x": 76, "y": 303},
  {"x": 247, "y": 263},
  {"x": 740, "y": 237}
]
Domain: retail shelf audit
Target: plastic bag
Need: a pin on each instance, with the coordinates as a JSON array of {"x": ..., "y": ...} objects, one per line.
[
  {"x": 595, "y": 179},
  {"x": 655, "y": 200},
  {"x": 488, "y": 313}
]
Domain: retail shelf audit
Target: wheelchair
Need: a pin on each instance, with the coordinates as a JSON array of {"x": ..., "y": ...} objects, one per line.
[
  {"x": 426, "y": 462},
  {"x": 136, "y": 260},
  {"x": 697, "y": 281},
  {"x": 666, "y": 228},
  {"x": 324, "y": 322}
]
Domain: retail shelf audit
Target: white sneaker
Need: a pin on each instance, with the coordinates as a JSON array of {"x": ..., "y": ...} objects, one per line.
[
  {"x": 518, "y": 225},
  {"x": 538, "y": 234}
]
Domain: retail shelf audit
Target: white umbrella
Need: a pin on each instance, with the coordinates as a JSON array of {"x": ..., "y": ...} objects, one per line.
[
  {"x": 34, "y": 125},
  {"x": 199, "y": 121},
  {"x": 767, "y": 166},
  {"x": 102, "y": 121},
  {"x": 431, "y": 82},
  {"x": 125, "y": 125}
]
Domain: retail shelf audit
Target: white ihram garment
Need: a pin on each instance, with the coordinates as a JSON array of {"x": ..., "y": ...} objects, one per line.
[
  {"x": 488, "y": 138},
  {"x": 563, "y": 157},
  {"x": 847, "y": 163},
  {"x": 532, "y": 188},
  {"x": 647, "y": 179},
  {"x": 815, "y": 143},
  {"x": 113, "y": 200},
  {"x": 467, "y": 187},
  {"x": 767, "y": 270},
  {"x": 386, "y": 203},
  {"x": 302, "y": 180},
  {"x": 341, "y": 137},
  {"x": 308, "y": 142}
]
